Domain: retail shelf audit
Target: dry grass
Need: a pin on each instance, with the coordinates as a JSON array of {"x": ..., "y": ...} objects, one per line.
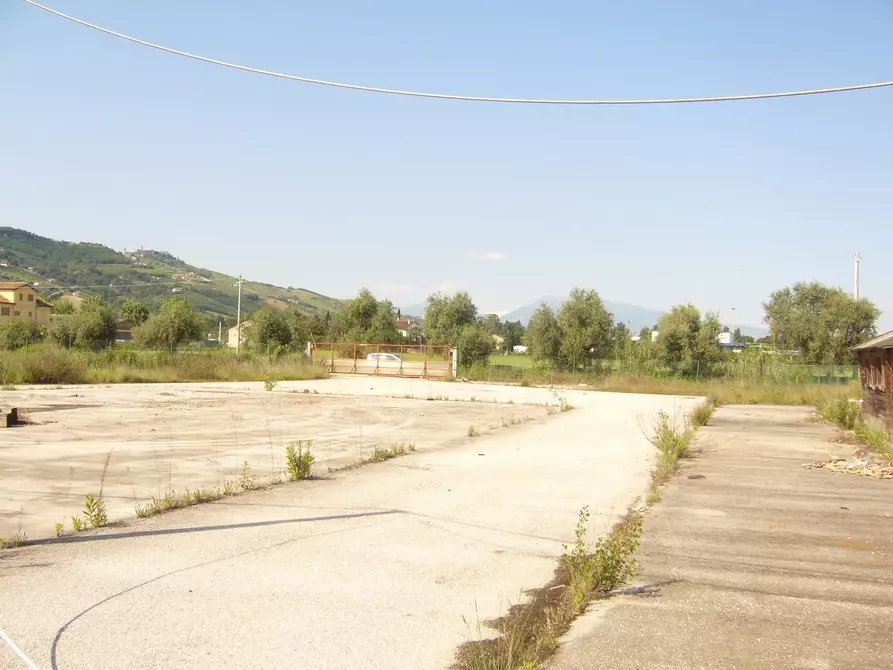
[
  {"x": 47, "y": 364},
  {"x": 731, "y": 392}
]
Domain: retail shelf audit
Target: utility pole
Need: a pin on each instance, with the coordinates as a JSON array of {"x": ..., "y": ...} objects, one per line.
[
  {"x": 220, "y": 333},
  {"x": 856, "y": 276},
  {"x": 239, "y": 320}
]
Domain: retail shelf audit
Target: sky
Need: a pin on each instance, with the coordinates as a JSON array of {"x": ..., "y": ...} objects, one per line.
[{"x": 332, "y": 190}]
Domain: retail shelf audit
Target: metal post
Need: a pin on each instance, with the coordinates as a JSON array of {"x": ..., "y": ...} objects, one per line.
[
  {"x": 239, "y": 319},
  {"x": 856, "y": 276}
]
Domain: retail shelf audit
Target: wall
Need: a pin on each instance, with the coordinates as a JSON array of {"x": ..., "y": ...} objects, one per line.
[{"x": 876, "y": 370}]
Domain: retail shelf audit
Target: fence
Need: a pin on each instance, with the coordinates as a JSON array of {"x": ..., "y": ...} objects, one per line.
[
  {"x": 387, "y": 360},
  {"x": 767, "y": 372}
]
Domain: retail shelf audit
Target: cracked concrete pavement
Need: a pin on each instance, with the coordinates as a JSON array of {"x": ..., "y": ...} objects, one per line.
[
  {"x": 751, "y": 560},
  {"x": 388, "y": 566}
]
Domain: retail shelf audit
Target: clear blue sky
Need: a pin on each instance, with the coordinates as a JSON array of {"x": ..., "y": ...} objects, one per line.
[{"x": 718, "y": 205}]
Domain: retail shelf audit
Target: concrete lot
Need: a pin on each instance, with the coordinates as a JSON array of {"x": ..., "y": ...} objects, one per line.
[
  {"x": 388, "y": 566},
  {"x": 756, "y": 562},
  {"x": 174, "y": 436}
]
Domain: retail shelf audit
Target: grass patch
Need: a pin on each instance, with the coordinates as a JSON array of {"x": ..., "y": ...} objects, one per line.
[
  {"x": 702, "y": 414},
  {"x": 529, "y": 633},
  {"x": 848, "y": 417},
  {"x": 171, "y": 501},
  {"x": 382, "y": 454}
]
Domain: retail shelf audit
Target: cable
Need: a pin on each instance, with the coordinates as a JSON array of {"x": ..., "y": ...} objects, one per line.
[{"x": 447, "y": 96}]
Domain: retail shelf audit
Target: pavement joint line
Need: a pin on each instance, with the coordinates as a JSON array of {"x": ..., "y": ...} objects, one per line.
[{"x": 18, "y": 652}]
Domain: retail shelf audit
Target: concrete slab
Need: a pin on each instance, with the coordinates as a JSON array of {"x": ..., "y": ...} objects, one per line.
[
  {"x": 752, "y": 561},
  {"x": 389, "y": 566},
  {"x": 177, "y": 436}
]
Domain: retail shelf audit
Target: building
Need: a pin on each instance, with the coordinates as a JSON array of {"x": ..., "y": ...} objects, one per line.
[
  {"x": 876, "y": 370},
  {"x": 123, "y": 330},
  {"x": 18, "y": 299},
  {"x": 232, "y": 337},
  {"x": 403, "y": 326}
]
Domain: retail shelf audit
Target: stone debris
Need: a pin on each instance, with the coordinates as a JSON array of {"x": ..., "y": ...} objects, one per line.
[{"x": 861, "y": 467}]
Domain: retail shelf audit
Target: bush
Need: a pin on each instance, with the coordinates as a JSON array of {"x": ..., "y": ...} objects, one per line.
[
  {"x": 40, "y": 365},
  {"x": 299, "y": 460},
  {"x": 19, "y": 333},
  {"x": 842, "y": 412}
]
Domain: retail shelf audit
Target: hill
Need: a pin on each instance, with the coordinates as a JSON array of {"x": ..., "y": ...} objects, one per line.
[
  {"x": 56, "y": 267},
  {"x": 634, "y": 316}
]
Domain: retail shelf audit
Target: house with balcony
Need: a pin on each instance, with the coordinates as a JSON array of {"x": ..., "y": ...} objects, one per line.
[{"x": 21, "y": 300}]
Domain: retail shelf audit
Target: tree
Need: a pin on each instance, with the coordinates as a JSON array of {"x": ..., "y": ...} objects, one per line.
[
  {"x": 18, "y": 333},
  {"x": 493, "y": 324},
  {"x": 268, "y": 329},
  {"x": 367, "y": 320},
  {"x": 743, "y": 339},
  {"x": 586, "y": 327},
  {"x": 682, "y": 342},
  {"x": 415, "y": 334},
  {"x": 92, "y": 326},
  {"x": 135, "y": 312},
  {"x": 176, "y": 324},
  {"x": 63, "y": 306},
  {"x": 512, "y": 331},
  {"x": 543, "y": 336},
  {"x": 819, "y": 321},
  {"x": 299, "y": 328},
  {"x": 475, "y": 345},
  {"x": 383, "y": 327},
  {"x": 446, "y": 316}
]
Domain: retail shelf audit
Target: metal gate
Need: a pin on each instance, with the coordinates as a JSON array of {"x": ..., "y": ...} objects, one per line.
[{"x": 385, "y": 360}]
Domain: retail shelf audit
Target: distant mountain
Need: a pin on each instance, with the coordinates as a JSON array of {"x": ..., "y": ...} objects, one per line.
[
  {"x": 60, "y": 267},
  {"x": 634, "y": 316}
]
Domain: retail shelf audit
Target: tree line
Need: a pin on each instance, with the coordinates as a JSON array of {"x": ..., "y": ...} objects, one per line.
[{"x": 816, "y": 323}]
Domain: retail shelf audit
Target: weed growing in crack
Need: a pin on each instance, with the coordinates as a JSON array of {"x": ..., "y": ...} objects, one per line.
[
  {"x": 472, "y": 431},
  {"x": 270, "y": 384},
  {"x": 18, "y": 538},
  {"x": 94, "y": 510},
  {"x": 702, "y": 414},
  {"x": 299, "y": 460},
  {"x": 529, "y": 633},
  {"x": 58, "y": 529},
  {"x": 78, "y": 524},
  {"x": 247, "y": 480},
  {"x": 380, "y": 454}
]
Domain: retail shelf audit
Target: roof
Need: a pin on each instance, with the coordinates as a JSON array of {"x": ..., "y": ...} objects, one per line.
[
  {"x": 403, "y": 324},
  {"x": 5, "y": 301},
  {"x": 884, "y": 341},
  {"x": 12, "y": 285},
  {"x": 42, "y": 303}
]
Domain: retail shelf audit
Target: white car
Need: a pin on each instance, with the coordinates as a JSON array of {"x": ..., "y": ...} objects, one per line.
[{"x": 392, "y": 358}]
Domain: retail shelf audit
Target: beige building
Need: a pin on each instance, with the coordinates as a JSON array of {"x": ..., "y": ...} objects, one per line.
[
  {"x": 233, "y": 335},
  {"x": 18, "y": 299}
]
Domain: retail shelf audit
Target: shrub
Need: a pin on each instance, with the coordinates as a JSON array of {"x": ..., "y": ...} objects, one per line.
[
  {"x": 19, "y": 333},
  {"x": 842, "y": 412},
  {"x": 702, "y": 413},
  {"x": 299, "y": 460}
]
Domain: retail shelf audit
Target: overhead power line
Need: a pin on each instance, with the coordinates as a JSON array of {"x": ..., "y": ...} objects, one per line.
[{"x": 448, "y": 96}]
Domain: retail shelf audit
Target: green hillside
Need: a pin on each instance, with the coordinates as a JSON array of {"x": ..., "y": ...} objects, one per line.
[{"x": 53, "y": 266}]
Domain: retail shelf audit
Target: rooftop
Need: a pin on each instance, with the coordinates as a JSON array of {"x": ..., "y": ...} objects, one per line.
[
  {"x": 884, "y": 341},
  {"x": 11, "y": 285}
]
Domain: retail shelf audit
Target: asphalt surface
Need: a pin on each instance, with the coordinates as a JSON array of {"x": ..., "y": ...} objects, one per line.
[
  {"x": 388, "y": 566},
  {"x": 753, "y": 561}
]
